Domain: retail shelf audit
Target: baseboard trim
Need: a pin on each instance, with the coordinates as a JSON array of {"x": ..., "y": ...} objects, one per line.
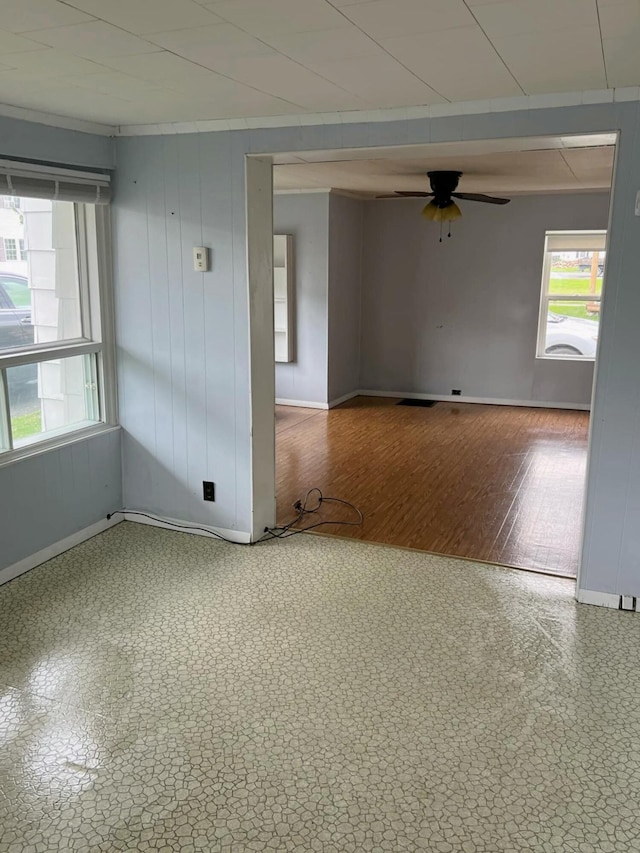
[
  {"x": 180, "y": 526},
  {"x": 56, "y": 549},
  {"x": 489, "y": 401},
  {"x": 303, "y": 404},
  {"x": 339, "y": 400},
  {"x": 599, "y": 599}
]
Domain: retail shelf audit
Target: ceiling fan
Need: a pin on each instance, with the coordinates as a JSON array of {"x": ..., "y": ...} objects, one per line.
[{"x": 443, "y": 207}]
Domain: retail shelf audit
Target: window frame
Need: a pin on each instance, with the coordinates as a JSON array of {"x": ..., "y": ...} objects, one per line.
[
  {"x": 545, "y": 298},
  {"x": 14, "y": 248},
  {"x": 93, "y": 236}
]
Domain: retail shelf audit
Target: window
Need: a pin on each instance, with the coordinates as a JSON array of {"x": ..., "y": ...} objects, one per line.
[
  {"x": 10, "y": 249},
  {"x": 56, "y": 352},
  {"x": 10, "y": 201},
  {"x": 573, "y": 270}
]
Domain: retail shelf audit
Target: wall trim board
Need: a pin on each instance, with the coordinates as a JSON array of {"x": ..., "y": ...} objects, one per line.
[
  {"x": 413, "y": 395},
  {"x": 53, "y": 120},
  {"x": 599, "y": 599},
  {"x": 459, "y": 108},
  {"x": 262, "y": 375},
  {"x": 25, "y": 565},
  {"x": 178, "y": 526},
  {"x": 489, "y": 401},
  {"x": 303, "y": 404},
  {"x": 339, "y": 400}
]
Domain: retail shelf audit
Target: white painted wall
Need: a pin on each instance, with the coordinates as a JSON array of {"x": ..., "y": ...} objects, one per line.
[
  {"x": 464, "y": 313},
  {"x": 345, "y": 280},
  {"x": 306, "y": 217}
]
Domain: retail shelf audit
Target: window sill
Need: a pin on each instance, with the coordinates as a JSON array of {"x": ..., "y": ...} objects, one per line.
[
  {"x": 569, "y": 358},
  {"x": 53, "y": 443}
]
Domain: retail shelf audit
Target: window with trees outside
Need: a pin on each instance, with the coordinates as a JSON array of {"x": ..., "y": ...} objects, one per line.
[
  {"x": 56, "y": 341},
  {"x": 573, "y": 271}
]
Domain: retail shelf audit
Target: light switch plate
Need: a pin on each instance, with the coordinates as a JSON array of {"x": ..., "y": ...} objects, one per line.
[{"x": 638, "y": 203}]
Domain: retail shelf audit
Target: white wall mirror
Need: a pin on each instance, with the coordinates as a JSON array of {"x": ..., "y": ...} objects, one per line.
[{"x": 283, "y": 296}]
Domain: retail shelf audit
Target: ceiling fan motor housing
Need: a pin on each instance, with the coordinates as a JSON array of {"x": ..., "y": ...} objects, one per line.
[{"x": 442, "y": 185}]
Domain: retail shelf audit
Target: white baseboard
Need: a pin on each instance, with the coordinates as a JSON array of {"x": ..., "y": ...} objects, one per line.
[
  {"x": 303, "y": 404},
  {"x": 599, "y": 599},
  {"x": 180, "y": 526},
  {"x": 56, "y": 549},
  {"x": 490, "y": 401},
  {"x": 339, "y": 400}
]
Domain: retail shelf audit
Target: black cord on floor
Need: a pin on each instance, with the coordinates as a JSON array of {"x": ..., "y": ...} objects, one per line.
[
  {"x": 301, "y": 506},
  {"x": 303, "y": 509}
]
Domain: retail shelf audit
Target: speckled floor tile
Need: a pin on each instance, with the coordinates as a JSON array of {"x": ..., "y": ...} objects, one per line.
[{"x": 165, "y": 692}]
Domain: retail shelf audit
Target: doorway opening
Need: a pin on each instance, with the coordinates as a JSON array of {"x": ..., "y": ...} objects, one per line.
[{"x": 382, "y": 316}]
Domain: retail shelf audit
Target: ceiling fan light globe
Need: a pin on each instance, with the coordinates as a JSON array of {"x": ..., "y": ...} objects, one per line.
[
  {"x": 442, "y": 214},
  {"x": 431, "y": 211}
]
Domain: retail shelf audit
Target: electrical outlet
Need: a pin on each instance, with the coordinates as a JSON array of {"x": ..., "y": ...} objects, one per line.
[
  {"x": 456, "y": 392},
  {"x": 208, "y": 490}
]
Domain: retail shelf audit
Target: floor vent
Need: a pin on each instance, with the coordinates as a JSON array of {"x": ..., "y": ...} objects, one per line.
[{"x": 424, "y": 404}]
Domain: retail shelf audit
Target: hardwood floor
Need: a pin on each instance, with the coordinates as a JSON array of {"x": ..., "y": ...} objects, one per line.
[{"x": 496, "y": 483}]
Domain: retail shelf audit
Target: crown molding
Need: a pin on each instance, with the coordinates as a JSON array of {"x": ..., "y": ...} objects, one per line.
[
  {"x": 52, "y": 120},
  {"x": 495, "y": 105}
]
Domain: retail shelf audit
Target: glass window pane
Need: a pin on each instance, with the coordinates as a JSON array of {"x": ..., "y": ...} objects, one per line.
[
  {"x": 571, "y": 329},
  {"x": 52, "y": 398},
  {"x": 576, "y": 273},
  {"x": 39, "y": 281}
]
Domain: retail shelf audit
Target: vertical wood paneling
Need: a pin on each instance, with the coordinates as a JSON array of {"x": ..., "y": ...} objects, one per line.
[
  {"x": 161, "y": 477},
  {"x": 195, "y": 341},
  {"x": 216, "y": 202},
  {"x": 133, "y": 320},
  {"x": 176, "y": 379},
  {"x": 177, "y": 327}
]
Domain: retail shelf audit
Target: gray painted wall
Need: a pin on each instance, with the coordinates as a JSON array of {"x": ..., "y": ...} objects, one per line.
[
  {"x": 47, "y": 497},
  {"x": 305, "y": 216},
  {"x": 201, "y": 180},
  {"x": 464, "y": 313},
  {"x": 51, "y": 495},
  {"x": 345, "y": 279},
  {"x": 183, "y": 336},
  {"x": 23, "y": 140}
]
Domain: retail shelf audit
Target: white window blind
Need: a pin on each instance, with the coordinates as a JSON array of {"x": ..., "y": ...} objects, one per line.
[
  {"x": 29, "y": 181},
  {"x": 578, "y": 241}
]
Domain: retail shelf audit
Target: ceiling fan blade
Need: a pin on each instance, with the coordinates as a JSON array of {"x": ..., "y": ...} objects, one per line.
[
  {"x": 489, "y": 199},
  {"x": 413, "y": 194}
]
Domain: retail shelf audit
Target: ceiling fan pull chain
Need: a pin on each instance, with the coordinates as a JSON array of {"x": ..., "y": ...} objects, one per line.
[
  {"x": 441, "y": 230},
  {"x": 449, "y": 234}
]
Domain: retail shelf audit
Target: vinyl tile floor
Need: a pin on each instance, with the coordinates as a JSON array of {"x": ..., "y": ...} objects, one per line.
[{"x": 166, "y": 692}]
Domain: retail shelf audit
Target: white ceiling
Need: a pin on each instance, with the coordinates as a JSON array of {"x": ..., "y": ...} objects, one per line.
[
  {"x": 507, "y": 166},
  {"x": 148, "y": 61}
]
